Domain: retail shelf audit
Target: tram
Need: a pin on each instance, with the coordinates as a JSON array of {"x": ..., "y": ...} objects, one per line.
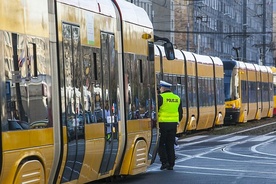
[
  {"x": 198, "y": 80},
  {"x": 77, "y": 85},
  {"x": 248, "y": 91},
  {"x": 273, "y": 69}
]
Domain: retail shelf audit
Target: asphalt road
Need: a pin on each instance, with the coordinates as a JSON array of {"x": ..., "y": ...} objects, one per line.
[
  {"x": 217, "y": 159},
  {"x": 241, "y": 154}
]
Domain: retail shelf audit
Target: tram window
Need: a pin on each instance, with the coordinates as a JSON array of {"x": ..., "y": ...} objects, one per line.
[
  {"x": 201, "y": 91},
  {"x": 141, "y": 70},
  {"x": 144, "y": 92},
  {"x": 174, "y": 87},
  {"x": 95, "y": 66},
  {"x": 151, "y": 51},
  {"x": 17, "y": 125},
  {"x": 212, "y": 92},
  {"x": 29, "y": 96},
  {"x": 32, "y": 58},
  {"x": 128, "y": 88},
  {"x": 138, "y": 91},
  {"x": 183, "y": 96},
  {"x": 244, "y": 90},
  {"x": 194, "y": 91},
  {"x": 178, "y": 80},
  {"x": 168, "y": 78},
  {"x": 205, "y": 90},
  {"x": 88, "y": 107}
]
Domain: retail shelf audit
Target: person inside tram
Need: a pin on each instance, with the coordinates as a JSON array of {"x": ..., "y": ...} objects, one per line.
[
  {"x": 107, "y": 119},
  {"x": 106, "y": 111}
]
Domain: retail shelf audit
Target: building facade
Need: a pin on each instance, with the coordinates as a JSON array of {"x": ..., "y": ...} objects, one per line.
[
  {"x": 274, "y": 35},
  {"x": 228, "y": 29}
]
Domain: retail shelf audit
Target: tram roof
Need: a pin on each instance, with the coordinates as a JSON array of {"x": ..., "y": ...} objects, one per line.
[
  {"x": 241, "y": 64},
  {"x": 134, "y": 14},
  {"x": 273, "y": 69},
  {"x": 130, "y": 12},
  {"x": 249, "y": 66},
  {"x": 104, "y": 6},
  {"x": 268, "y": 69},
  {"x": 189, "y": 56},
  {"x": 257, "y": 67},
  {"x": 178, "y": 54},
  {"x": 157, "y": 52},
  {"x": 217, "y": 60},
  {"x": 265, "y": 69},
  {"x": 203, "y": 59}
]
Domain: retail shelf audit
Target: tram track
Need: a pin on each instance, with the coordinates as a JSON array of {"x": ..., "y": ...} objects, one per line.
[{"x": 257, "y": 127}]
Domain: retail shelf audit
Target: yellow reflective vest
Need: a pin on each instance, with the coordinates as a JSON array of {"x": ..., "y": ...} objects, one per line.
[{"x": 168, "y": 111}]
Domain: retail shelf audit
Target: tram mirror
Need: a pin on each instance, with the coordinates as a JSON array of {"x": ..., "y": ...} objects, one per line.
[{"x": 169, "y": 50}]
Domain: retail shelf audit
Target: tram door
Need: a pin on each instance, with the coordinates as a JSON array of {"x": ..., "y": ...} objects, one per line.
[
  {"x": 71, "y": 102},
  {"x": 152, "y": 105},
  {"x": 110, "y": 101}
]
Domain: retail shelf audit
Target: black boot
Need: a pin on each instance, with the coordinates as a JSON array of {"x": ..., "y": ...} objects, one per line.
[
  {"x": 170, "y": 167},
  {"x": 164, "y": 166}
]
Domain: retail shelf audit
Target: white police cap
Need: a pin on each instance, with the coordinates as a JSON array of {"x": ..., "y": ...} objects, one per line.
[{"x": 165, "y": 84}]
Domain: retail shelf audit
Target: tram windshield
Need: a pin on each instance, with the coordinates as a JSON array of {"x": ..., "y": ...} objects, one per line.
[
  {"x": 274, "y": 83},
  {"x": 230, "y": 81}
]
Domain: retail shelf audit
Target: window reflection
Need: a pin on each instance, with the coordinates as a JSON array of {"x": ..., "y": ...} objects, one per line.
[{"x": 28, "y": 83}]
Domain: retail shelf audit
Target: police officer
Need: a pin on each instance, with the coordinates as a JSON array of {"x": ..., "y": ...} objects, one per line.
[{"x": 170, "y": 112}]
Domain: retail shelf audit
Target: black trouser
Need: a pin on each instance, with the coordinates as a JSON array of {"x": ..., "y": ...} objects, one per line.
[{"x": 166, "y": 144}]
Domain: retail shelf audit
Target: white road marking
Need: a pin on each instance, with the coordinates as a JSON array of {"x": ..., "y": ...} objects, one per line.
[
  {"x": 232, "y": 139},
  {"x": 192, "y": 138},
  {"x": 229, "y": 175},
  {"x": 261, "y": 138},
  {"x": 228, "y": 170}
]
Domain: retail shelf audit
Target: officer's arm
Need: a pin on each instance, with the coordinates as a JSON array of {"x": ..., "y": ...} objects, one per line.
[
  {"x": 180, "y": 111},
  {"x": 160, "y": 101}
]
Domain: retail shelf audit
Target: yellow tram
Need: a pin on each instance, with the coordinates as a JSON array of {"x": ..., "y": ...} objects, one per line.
[
  {"x": 198, "y": 80},
  {"x": 248, "y": 91},
  {"x": 76, "y": 101},
  {"x": 273, "y": 69}
]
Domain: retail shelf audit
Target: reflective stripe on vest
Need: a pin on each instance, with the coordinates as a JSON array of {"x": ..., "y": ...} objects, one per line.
[{"x": 168, "y": 111}]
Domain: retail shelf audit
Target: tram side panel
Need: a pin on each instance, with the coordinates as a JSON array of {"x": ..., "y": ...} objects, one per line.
[
  {"x": 27, "y": 137},
  {"x": 206, "y": 92},
  {"x": 87, "y": 49},
  {"x": 207, "y": 85},
  {"x": 192, "y": 98},
  {"x": 273, "y": 69},
  {"x": 252, "y": 91},
  {"x": 152, "y": 105},
  {"x": 138, "y": 113},
  {"x": 243, "y": 93},
  {"x": 258, "y": 92},
  {"x": 271, "y": 92},
  {"x": 234, "y": 84},
  {"x": 264, "y": 92},
  {"x": 219, "y": 91},
  {"x": 267, "y": 92},
  {"x": 174, "y": 72},
  {"x": 102, "y": 148},
  {"x": 138, "y": 110},
  {"x": 176, "y": 76},
  {"x": 248, "y": 91},
  {"x": 180, "y": 88}
]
